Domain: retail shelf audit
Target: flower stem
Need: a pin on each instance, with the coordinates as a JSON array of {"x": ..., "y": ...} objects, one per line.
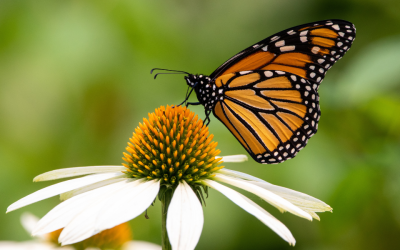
[{"x": 166, "y": 199}]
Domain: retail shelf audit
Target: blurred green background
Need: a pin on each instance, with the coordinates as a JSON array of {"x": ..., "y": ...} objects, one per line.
[{"x": 75, "y": 82}]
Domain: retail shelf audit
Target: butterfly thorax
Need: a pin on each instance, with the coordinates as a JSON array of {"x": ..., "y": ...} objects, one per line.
[{"x": 205, "y": 89}]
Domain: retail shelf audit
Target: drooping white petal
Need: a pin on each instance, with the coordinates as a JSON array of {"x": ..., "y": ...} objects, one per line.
[
  {"x": 128, "y": 205},
  {"x": 233, "y": 158},
  {"x": 59, "y": 188},
  {"x": 313, "y": 214},
  {"x": 254, "y": 209},
  {"x": 184, "y": 219},
  {"x": 69, "y": 194},
  {"x": 266, "y": 195},
  {"x": 238, "y": 174},
  {"x": 83, "y": 225},
  {"x": 64, "y": 212},
  {"x": 140, "y": 245},
  {"x": 76, "y": 171},
  {"x": 304, "y": 201}
]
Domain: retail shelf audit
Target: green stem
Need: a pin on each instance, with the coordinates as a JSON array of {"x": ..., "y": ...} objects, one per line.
[{"x": 166, "y": 199}]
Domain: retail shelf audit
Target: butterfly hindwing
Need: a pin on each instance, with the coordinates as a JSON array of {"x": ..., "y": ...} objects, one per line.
[{"x": 272, "y": 113}]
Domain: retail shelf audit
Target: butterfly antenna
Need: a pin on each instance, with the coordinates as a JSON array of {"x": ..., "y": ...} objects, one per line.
[
  {"x": 184, "y": 72},
  {"x": 167, "y": 74}
]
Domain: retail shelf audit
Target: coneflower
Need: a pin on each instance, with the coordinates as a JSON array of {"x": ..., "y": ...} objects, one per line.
[{"x": 170, "y": 155}]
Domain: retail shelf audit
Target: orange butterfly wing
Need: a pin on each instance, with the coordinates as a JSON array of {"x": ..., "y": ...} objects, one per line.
[{"x": 271, "y": 103}]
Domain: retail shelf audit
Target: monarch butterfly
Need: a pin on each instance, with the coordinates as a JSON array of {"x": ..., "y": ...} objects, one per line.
[{"x": 266, "y": 95}]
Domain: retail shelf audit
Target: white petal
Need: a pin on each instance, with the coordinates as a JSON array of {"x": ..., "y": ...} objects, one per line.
[
  {"x": 112, "y": 209},
  {"x": 70, "y": 172},
  {"x": 254, "y": 209},
  {"x": 314, "y": 215},
  {"x": 72, "y": 193},
  {"x": 29, "y": 221},
  {"x": 140, "y": 245},
  {"x": 184, "y": 219},
  {"x": 64, "y": 212},
  {"x": 82, "y": 226},
  {"x": 125, "y": 206},
  {"x": 304, "y": 201},
  {"x": 59, "y": 188},
  {"x": 238, "y": 174},
  {"x": 266, "y": 195},
  {"x": 233, "y": 158}
]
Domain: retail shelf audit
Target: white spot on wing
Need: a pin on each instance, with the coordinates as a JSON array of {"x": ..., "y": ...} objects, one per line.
[
  {"x": 303, "y": 39},
  {"x": 275, "y": 38},
  {"x": 291, "y": 32},
  {"x": 268, "y": 73},
  {"x": 336, "y": 27},
  {"x": 287, "y": 48},
  {"x": 280, "y": 43},
  {"x": 303, "y": 33},
  {"x": 315, "y": 49}
]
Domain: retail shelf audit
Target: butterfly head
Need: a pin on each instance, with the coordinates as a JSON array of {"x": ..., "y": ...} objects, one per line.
[
  {"x": 197, "y": 81},
  {"x": 204, "y": 88}
]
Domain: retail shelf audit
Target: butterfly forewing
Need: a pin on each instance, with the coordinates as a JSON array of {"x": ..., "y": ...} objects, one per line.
[
  {"x": 271, "y": 113},
  {"x": 307, "y": 50}
]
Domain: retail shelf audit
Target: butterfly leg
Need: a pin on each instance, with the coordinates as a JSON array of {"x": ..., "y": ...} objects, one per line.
[
  {"x": 207, "y": 119},
  {"x": 188, "y": 103},
  {"x": 193, "y": 103}
]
